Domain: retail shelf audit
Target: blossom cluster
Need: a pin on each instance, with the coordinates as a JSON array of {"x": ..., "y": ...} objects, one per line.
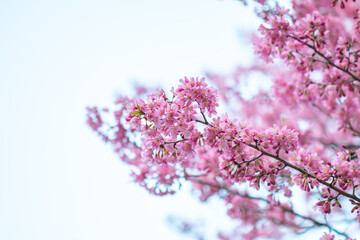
[
  {"x": 176, "y": 132},
  {"x": 168, "y": 126},
  {"x": 171, "y": 135}
]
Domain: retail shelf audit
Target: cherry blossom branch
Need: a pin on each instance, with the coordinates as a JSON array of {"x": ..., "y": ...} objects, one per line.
[
  {"x": 299, "y": 169},
  {"x": 205, "y": 123},
  {"x": 325, "y": 58},
  {"x": 251, "y": 160},
  {"x": 176, "y": 142},
  {"x": 353, "y": 129},
  {"x": 303, "y": 171},
  {"x": 283, "y": 208},
  {"x": 350, "y": 127}
]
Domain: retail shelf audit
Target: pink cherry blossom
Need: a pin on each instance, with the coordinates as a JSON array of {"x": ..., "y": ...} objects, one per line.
[{"x": 299, "y": 137}]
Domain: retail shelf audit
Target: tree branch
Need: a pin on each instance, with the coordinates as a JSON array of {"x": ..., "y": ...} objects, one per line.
[
  {"x": 299, "y": 169},
  {"x": 326, "y": 58},
  {"x": 283, "y": 208}
]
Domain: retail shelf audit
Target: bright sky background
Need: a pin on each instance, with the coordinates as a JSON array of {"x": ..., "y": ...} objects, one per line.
[{"x": 57, "y": 179}]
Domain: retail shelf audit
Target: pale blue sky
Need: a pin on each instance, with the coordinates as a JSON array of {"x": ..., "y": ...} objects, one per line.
[{"x": 57, "y": 179}]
